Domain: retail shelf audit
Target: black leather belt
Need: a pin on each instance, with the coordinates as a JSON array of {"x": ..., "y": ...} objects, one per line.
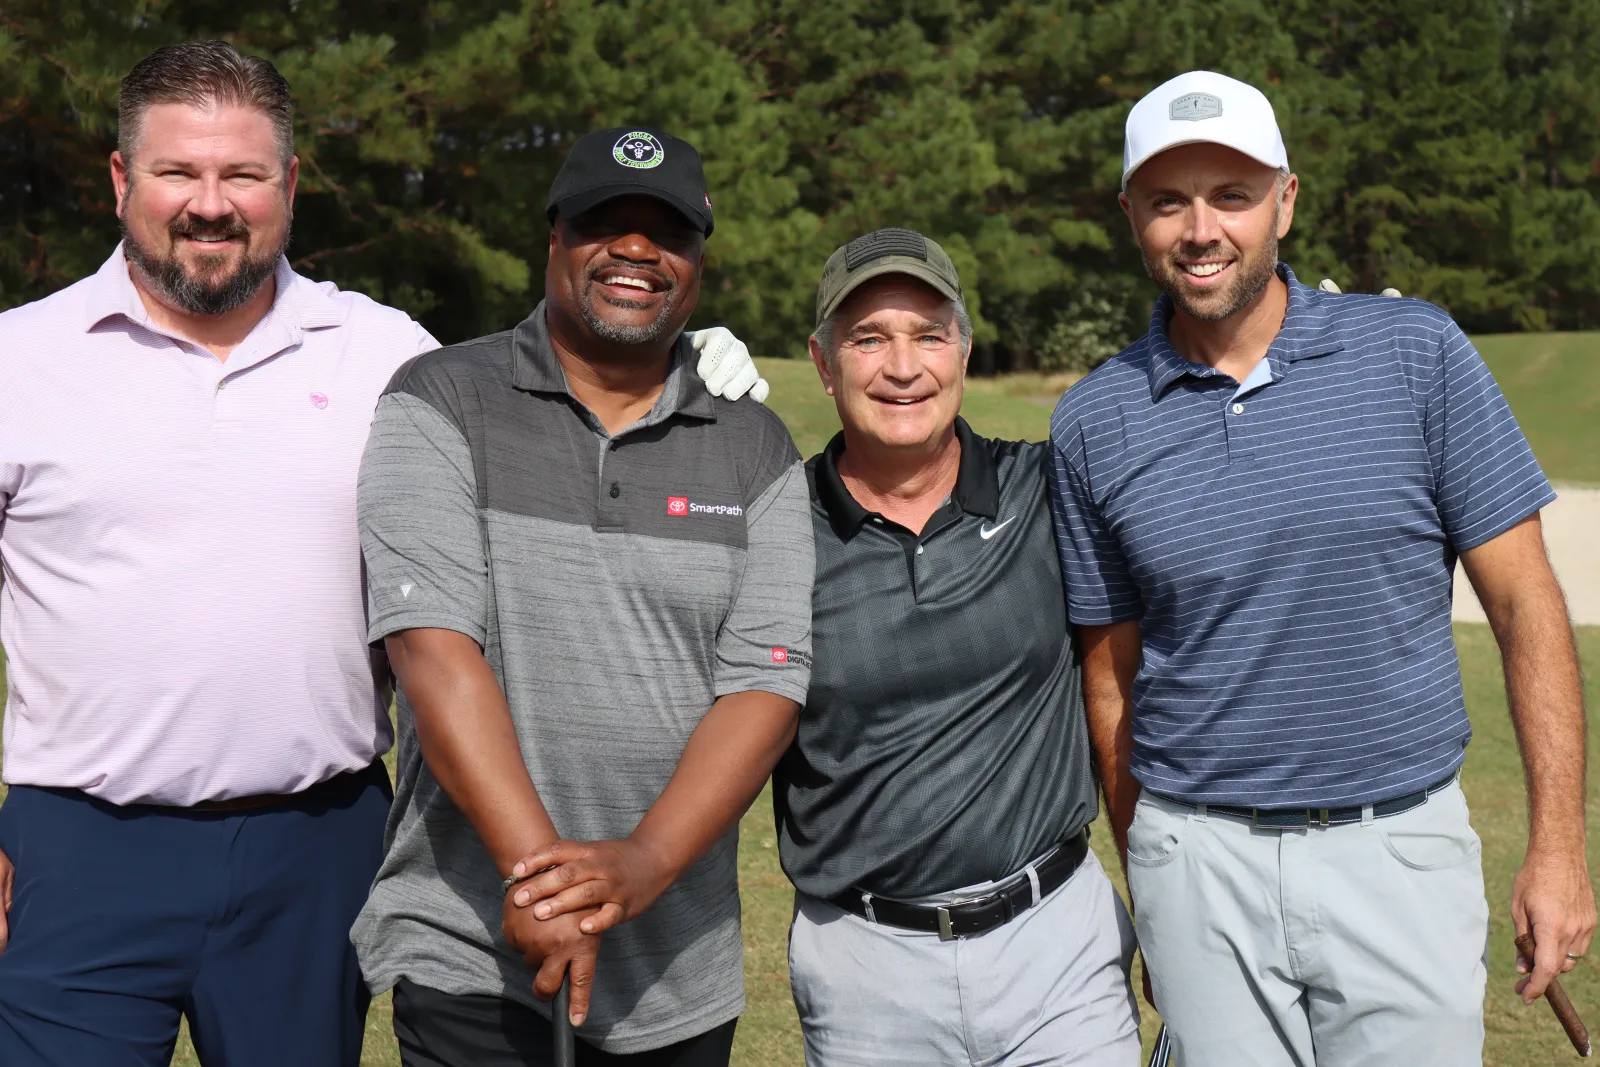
[
  {"x": 1301, "y": 818},
  {"x": 979, "y": 915}
]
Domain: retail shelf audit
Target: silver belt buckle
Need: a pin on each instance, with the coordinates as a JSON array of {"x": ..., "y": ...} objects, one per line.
[{"x": 945, "y": 933}]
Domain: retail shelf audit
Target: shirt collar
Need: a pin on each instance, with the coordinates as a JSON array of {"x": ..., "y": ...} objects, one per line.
[
  {"x": 977, "y": 490},
  {"x": 537, "y": 370},
  {"x": 1307, "y": 332},
  {"x": 299, "y": 304}
]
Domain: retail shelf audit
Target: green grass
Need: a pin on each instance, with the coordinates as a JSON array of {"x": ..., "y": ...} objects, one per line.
[{"x": 1553, "y": 383}]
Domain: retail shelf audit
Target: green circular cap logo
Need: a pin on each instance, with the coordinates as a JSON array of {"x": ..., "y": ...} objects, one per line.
[{"x": 639, "y": 150}]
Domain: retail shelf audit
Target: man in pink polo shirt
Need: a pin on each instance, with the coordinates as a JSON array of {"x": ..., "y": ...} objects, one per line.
[{"x": 195, "y": 720}]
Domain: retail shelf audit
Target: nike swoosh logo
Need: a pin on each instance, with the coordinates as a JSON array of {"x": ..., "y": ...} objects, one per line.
[{"x": 985, "y": 532}]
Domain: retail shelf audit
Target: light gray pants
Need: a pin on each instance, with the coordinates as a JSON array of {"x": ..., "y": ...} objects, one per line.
[
  {"x": 1050, "y": 987},
  {"x": 1361, "y": 944}
]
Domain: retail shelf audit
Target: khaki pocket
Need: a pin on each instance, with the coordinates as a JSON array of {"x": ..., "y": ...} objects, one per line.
[
  {"x": 1156, "y": 833},
  {"x": 1433, "y": 837}
]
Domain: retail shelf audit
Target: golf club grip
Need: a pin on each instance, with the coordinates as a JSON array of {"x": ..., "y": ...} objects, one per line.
[
  {"x": 565, "y": 1048},
  {"x": 1560, "y": 1003},
  {"x": 1161, "y": 1051}
]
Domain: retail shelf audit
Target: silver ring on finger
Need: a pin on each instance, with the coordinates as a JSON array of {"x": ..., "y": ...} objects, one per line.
[{"x": 1573, "y": 958}]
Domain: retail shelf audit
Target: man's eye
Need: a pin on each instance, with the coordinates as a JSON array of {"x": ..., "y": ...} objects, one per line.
[
  {"x": 868, "y": 342},
  {"x": 933, "y": 339}
]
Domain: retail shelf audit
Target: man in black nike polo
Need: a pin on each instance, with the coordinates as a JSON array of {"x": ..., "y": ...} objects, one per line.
[{"x": 932, "y": 811}]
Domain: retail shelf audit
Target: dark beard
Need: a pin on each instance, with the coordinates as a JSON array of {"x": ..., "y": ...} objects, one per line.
[
  {"x": 175, "y": 286},
  {"x": 1252, "y": 277},
  {"x": 626, "y": 335}
]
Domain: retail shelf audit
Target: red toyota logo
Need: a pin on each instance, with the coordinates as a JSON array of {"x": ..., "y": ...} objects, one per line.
[
  {"x": 780, "y": 655},
  {"x": 677, "y": 505}
]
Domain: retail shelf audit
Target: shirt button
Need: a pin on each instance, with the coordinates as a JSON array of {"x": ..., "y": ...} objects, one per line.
[
  {"x": 919, "y": 550},
  {"x": 222, "y": 385},
  {"x": 616, "y": 490},
  {"x": 1238, "y": 409},
  {"x": 615, "y": 445},
  {"x": 878, "y": 519}
]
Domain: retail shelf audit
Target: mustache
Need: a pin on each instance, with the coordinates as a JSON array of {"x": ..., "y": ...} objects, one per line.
[
  {"x": 1194, "y": 251},
  {"x": 666, "y": 282},
  {"x": 190, "y": 226}
]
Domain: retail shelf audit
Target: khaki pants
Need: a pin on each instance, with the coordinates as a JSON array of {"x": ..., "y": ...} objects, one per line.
[
  {"x": 1048, "y": 989},
  {"x": 1361, "y": 944}
]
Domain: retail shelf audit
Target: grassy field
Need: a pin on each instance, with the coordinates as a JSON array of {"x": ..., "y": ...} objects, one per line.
[{"x": 1553, "y": 382}]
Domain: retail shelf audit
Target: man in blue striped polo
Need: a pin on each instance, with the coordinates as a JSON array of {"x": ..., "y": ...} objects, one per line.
[{"x": 1259, "y": 506}]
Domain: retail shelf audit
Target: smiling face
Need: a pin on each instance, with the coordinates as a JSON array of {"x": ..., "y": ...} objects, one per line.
[
  {"x": 627, "y": 269},
  {"x": 1208, "y": 220},
  {"x": 204, "y": 205},
  {"x": 899, "y": 365}
]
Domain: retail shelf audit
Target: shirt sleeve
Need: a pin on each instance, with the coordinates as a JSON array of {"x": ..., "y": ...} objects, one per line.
[
  {"x": 765, "y": 642},
  {"x": 1100, "y": 591},
  {"x": 425, "y": 341},
  {"x": 421, "y": 537},
  {"x": 1487, "y": 479}
]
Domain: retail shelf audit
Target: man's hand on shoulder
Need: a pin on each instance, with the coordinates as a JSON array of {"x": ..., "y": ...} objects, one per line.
[
  {"x": 1327, "y": 285},
  {"x": 725, "y": 365}
]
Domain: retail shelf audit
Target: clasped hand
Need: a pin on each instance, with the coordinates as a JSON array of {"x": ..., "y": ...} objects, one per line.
[
  {"x": 603, "y": 883},
  {"x": 582, "y": 889}
]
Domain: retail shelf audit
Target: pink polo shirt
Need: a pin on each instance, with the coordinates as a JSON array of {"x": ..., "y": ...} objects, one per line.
[{"x": 183, "y": 611}]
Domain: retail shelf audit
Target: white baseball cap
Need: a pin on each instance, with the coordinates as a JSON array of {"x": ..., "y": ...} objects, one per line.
[{"x": 1203, "y": 107}]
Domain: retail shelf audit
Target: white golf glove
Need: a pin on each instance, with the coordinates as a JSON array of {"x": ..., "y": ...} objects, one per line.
[
  {"x": 725, "y": 365},
  {"x": 1327, "y": 286}
]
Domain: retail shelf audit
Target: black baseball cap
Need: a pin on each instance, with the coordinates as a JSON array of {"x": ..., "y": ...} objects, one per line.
[{"x": 631, "y": 160}]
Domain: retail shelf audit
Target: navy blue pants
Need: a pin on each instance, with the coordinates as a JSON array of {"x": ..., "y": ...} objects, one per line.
[{"x": 125, "y": 918}]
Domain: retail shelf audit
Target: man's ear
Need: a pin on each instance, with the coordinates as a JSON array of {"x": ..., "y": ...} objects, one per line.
[
  {"x": 291, "y": 179},
  {"x": 119, "y": 180},
  {"x": 820, "y": 359},
  {"x": 1291, "y": 189}
]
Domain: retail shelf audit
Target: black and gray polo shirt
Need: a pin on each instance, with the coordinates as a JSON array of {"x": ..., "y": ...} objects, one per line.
[
  {"x": 943, "y": 741},
  {"x": 618, "y": 586}
]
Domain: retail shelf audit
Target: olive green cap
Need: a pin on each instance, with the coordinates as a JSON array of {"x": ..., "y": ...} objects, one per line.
[{"x": 888, "y": 251}]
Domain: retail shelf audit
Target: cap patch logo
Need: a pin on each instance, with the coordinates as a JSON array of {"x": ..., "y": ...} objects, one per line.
[
  {"x": 639, "y": 150},
  {"x": 1193, "y": 107}
]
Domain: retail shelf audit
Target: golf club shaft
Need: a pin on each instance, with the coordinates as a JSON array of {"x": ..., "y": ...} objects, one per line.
[
  {"x": 1566, "y": 1014},
  {"x": 566, "y": 1049}
]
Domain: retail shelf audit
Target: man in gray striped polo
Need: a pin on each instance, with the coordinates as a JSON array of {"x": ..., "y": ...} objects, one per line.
[
  {"x": 594, "y": 582},
  {"x": 1259, "y": 505}
]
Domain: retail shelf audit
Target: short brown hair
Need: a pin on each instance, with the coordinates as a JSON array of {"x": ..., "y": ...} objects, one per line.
[{"x": 204, "y": 73}]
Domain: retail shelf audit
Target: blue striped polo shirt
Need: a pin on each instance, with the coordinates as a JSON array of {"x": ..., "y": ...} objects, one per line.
[{"x": 1288, "y": 548}]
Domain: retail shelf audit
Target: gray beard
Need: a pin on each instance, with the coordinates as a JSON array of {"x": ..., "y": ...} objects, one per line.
[
  {"x": 627, "y": 335},
  {"x": 174, "y": 286}
]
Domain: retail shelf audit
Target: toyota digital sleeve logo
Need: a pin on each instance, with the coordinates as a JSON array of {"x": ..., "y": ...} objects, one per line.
[{"x": 677, "y": 505}]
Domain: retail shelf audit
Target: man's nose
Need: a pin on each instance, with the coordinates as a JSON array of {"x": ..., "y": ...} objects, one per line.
[
  {"x": 1204, "y": 226},
  {"x": 635, "y": 248},
  {"x": 209, "y": 201},
  {"x": 903, "y": 363}
]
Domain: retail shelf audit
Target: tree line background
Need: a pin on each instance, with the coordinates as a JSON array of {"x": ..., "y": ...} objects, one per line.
[{"x": 1449, "y": 148}]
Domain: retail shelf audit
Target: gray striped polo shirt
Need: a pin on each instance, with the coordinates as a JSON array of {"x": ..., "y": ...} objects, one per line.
[
  {"x": 618, "y": 586},
  {"x": 1288, "y": 550}
]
